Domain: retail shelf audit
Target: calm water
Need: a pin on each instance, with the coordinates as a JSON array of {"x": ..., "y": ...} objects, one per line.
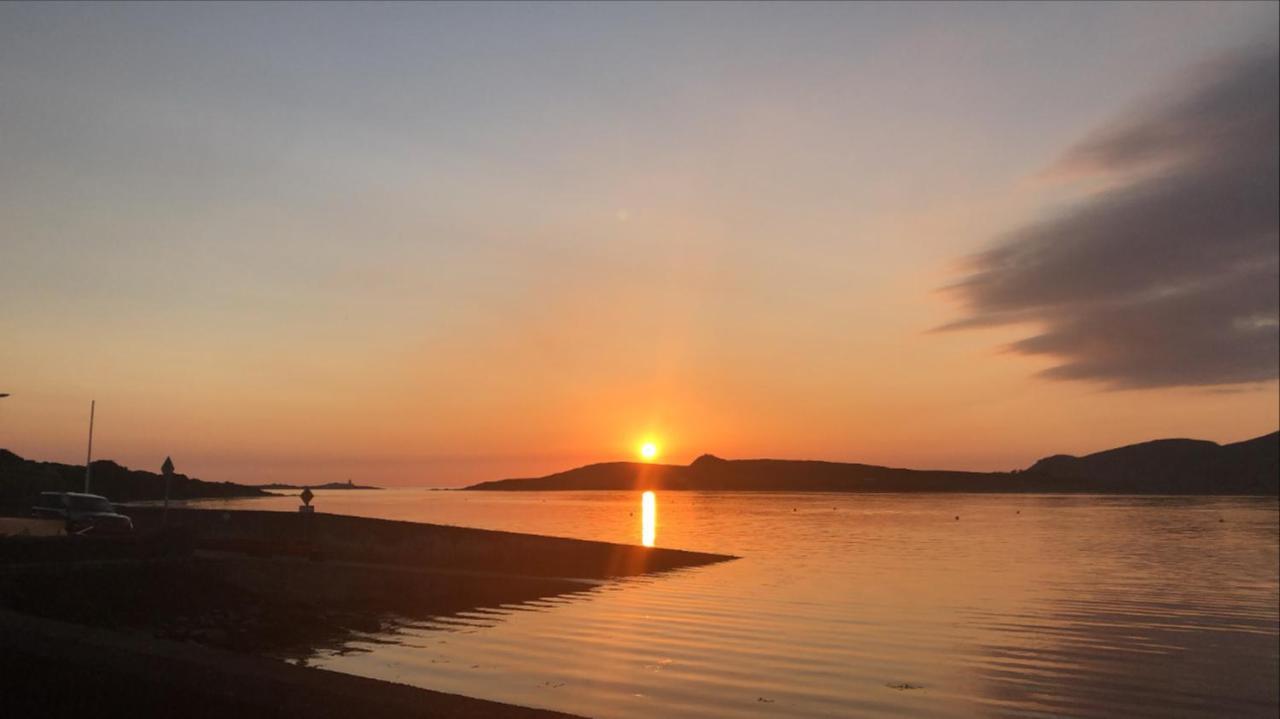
[{"x": 866, "y": 605}]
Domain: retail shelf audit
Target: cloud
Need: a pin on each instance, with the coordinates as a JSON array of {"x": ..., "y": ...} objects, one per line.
[{"x": 1172, "y": 276}]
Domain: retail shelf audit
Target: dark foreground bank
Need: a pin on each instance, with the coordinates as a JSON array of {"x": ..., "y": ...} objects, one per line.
[
  {"x": 56, "y": 669},
  {"x": 194, "y": 618}
]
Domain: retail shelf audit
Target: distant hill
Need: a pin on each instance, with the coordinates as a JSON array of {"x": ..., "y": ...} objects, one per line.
[
  {"x": 22, "y": 479},
  {"x": 331, "y": 485},
  {"x": 1176, "y": 466}
]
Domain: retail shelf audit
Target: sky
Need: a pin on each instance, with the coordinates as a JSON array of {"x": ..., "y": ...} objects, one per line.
[{"x": 432, "y": 244}]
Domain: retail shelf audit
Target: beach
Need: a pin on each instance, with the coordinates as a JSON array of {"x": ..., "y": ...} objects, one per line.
[{"x": 220, "y": 610}]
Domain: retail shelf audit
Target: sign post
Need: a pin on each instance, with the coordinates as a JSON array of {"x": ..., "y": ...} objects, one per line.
[
  {"x": 167, "y": 470},
  {"x": 307, "y": 513}
]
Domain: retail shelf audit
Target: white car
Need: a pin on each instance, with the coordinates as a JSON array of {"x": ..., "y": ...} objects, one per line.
[{"x": 82, "y": 513}]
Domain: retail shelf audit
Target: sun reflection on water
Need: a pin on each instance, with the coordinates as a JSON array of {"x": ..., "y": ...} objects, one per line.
[{"x": 648, "y": 518}]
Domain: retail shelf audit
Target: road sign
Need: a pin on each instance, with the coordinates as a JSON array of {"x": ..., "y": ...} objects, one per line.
[{"x": 167, "y": 470}]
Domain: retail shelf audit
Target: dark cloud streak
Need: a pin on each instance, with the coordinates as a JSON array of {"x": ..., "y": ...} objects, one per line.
[{"x": 1173, "y": 277}]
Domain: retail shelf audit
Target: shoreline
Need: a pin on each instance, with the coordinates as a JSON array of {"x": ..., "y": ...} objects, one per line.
[
  {"x": 204, "y": 612},
  {"x": 66, "y": 669}
]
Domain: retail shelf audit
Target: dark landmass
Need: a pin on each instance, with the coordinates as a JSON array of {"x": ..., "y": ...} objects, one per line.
[
  {"x": 21, "y": 480},
  {"x": 1167, "y": 466},
  {"x": 1177, "y": 466},
  {"x": 331, "y": 485}
]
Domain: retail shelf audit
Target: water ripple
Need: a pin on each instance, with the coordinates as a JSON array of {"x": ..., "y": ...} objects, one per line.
[{"x": 875, "y": 606}]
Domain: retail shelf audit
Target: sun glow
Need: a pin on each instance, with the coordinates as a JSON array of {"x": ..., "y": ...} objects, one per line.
[
  {"x": 648, "y": 450},
  {"x": 648, "y": 519}
]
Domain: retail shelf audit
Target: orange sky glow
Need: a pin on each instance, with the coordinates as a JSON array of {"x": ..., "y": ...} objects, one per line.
[{"x": 414, "y": 260}]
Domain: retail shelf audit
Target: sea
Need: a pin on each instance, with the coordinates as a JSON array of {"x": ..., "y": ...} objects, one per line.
[{"x": 861, "y": 605}]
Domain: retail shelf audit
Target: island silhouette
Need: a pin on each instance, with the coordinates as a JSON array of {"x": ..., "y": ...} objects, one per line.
[
  {"x": 1165, "y": 466},
  {"x": 330, "y": 485}
]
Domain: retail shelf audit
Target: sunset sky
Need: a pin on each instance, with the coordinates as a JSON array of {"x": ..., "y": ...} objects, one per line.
[{"x": 436, "y": 244}]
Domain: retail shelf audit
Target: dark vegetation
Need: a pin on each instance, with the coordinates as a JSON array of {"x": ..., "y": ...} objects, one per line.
[{"x": 21, "y": 480}]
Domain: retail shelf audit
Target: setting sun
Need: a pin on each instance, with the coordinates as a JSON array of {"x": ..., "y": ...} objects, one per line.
[{"x": 648, "y": 450}]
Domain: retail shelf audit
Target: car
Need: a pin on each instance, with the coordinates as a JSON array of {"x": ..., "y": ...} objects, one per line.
[{"x": 83, "y": 513}]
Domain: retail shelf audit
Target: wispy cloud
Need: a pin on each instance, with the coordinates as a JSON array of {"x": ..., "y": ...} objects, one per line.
[{"x": 1172, "y": 276}]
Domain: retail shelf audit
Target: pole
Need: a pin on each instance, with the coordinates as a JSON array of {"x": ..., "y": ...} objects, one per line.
[
  {"x": 88, "y": 457},
  {"x": 167, "y": 470}
]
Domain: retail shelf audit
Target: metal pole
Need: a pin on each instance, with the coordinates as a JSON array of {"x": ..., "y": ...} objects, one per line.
[{"x": 88, "y": 457}]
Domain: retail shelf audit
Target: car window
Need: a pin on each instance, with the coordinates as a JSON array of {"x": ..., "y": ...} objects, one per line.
[
  {"x": 49, "y": 501},
  {"x": 90, "y": 504}
]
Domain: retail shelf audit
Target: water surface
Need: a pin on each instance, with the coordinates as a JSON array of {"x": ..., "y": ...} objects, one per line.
[{"x": 865, "y": 605}]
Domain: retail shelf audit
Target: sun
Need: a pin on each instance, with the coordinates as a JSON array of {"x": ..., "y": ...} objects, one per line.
[{"x": 648, "y": 450}]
